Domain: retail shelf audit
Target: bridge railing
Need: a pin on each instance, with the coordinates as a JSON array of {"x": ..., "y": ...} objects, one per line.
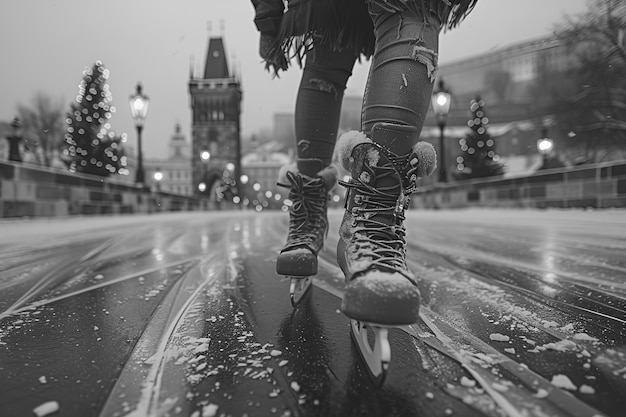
[
  {"x": 35, "y": 191},
  {"x": 600, "y": 185}
]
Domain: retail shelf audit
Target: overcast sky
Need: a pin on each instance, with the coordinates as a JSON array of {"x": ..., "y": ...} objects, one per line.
[{"x": 46, "y": 44}]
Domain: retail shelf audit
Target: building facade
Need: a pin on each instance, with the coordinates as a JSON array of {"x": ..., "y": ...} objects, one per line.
[
  {"x": 172, "y": 174},
  {"x": 508, "y": 81},
  {"x": 261, "y": 170},
  {"x": 215, "y": 100}
]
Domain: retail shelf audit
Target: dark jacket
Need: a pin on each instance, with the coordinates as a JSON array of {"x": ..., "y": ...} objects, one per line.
[{"x": 268, "y": 15}]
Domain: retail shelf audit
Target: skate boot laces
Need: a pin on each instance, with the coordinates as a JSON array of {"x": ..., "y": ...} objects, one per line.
[
  {"x": 379, "y": 211},
  {"x": 308, "y": 223}
]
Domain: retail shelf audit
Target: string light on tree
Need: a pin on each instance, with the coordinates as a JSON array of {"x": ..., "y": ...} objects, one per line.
[
  {"x": 90, "y": 146},
  {"x": 478, "y": 155}
]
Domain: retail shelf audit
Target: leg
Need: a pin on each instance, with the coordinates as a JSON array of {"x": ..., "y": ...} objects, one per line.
[
  {"x": 318, "y": 105},
  {"x": 385, "y": 165},
  {"x": 318, "y": 108},
  {"x": 401, "y": 76}
]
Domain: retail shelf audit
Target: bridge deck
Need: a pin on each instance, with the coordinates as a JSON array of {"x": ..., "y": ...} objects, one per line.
[{"x": 183, "y": 314}]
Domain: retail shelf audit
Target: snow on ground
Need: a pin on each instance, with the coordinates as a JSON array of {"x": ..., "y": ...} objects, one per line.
[
  {"x": 611, "y": 220},
  {"x": 17, "y": 230}
]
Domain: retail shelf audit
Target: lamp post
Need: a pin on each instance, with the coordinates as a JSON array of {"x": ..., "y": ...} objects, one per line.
[
  {"x": 14, "y": 141},
  {"x": 440, "y": 101},
  {"x": 205, "y": 157},
  {"x": 158, "y": 177},
  {"x": 545, "y": 146},
  {"x": 139, "y": 109}
]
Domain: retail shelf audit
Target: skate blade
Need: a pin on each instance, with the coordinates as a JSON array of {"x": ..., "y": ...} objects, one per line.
[
  {"x": 298, "y": 288},
  {"x": 376, "y": 357}
]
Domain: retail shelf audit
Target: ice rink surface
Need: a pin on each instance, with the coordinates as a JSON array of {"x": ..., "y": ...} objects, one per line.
[{"x": 183, "y": 314}]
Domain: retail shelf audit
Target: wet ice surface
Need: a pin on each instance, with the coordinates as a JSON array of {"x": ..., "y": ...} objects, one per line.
[{"x": 182, "y": 314}]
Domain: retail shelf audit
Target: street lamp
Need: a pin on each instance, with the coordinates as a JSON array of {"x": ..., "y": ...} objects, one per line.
[
  {"x": 14, "y": 141},
  {"x": 440, "y": 101},
  {"x": 545, "y": 146},
  {"x": 139, "y": 109},
  {"x": 158, "y": 177}
]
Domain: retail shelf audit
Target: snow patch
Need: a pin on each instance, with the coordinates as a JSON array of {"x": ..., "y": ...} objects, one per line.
[
  {"x": 497, "y": 337},
  {"x": 46, "y": 408},
  {"x": 210, "y": 410},
  {"x": 584, "y": 337},
  {"x": 586, "y": 389},
  {"x": 564, "y": 382},
  {"x": 549, "y": 324},
  {"x": 466, "y": 382},
  {"x": 560, "y": 346}
]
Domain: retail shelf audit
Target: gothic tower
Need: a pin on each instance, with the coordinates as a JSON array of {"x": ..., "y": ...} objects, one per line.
[{"x": 216, "y": 109}]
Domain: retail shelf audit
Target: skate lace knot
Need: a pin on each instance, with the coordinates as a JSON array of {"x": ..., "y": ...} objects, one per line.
[
  {"x": 379, "y": 211},
  {"x": 308, "y": 222}
]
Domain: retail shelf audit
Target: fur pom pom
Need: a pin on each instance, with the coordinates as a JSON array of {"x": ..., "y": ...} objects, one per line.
[
  {"x": 282, "y": 174},
  {"x": 346, "y": 144},
  {"x": 427, "y": 158},
  {"x": 328, "y": 174}
]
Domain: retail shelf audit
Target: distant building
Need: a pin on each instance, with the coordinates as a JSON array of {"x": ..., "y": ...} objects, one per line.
[
  {"x": 506, "y": 80},
  {"x": 174, "y": 172},
  {"x": 261, "y": 171},
  {"x": 5, "y": 130},
  {"x": 263, "y": 168},
  {"x": 215, "y": 100}
]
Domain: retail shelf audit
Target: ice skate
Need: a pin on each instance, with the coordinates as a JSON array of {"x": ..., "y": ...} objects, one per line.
[
  {"x": 380, "y": 290},
  {"x": 308, "y": 224}
]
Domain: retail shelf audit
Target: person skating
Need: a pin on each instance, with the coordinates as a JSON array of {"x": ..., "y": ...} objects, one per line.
[
  {"x": 326, "y": 38},
  {"x": 383, "y": 158}
]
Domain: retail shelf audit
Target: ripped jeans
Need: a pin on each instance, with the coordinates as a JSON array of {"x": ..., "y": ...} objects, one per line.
[
  {"x": 403, "y": 67},
  {"x": 399, "y": 84}
]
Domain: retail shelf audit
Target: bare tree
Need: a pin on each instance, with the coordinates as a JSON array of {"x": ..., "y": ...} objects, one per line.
[
  {"x": 43, "y": 126},
  {"x": 593, "y": 114}
]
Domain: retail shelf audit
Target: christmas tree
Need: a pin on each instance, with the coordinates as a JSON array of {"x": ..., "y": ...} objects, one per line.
[
  {"x": 478, "y": 158},
  {"x": 91, "y": 147}
]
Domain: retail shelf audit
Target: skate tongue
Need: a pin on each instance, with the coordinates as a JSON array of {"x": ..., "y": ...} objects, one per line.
[
  {"x": 315, "y": 168},
  {"x": 397, "y": 139},
  {"x": 310, "y": 167}
]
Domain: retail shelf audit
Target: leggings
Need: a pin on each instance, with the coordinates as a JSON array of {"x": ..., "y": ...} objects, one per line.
[
  {"x": 318, "y": 103},
  {"x": 398, "y": 89}
]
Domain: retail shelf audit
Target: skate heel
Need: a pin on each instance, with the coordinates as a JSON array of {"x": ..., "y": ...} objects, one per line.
[
  {"x": 299, "y": 288},
  {"x": 373, "y": 344}
]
